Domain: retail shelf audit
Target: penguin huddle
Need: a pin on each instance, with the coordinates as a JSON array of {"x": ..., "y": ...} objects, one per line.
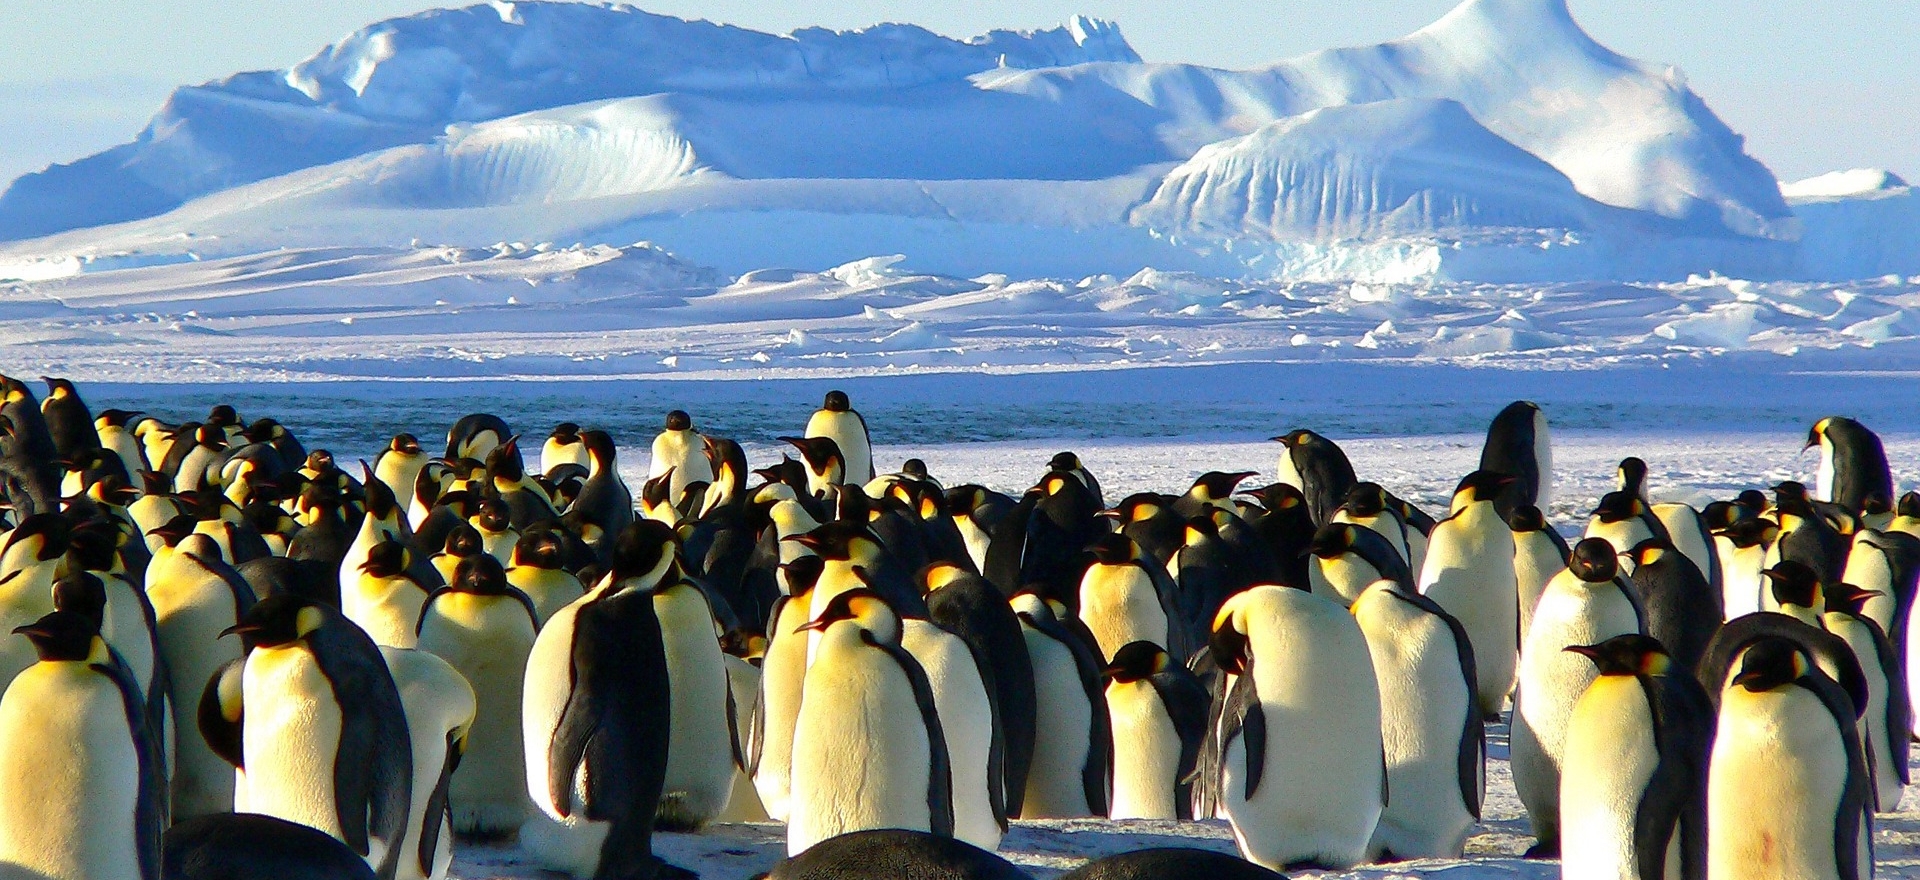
[{"x": 246, "y": 661}]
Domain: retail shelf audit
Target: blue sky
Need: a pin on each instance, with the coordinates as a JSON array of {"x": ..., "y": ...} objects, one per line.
[{"x": 1815, "y": 85}]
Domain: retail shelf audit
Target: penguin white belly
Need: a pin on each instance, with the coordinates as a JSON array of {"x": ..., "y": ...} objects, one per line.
[
  {"x": 25, "y": 598},
  {"x": 371, "y": 532},
  {"x": 849, "y": 433},
  {"x": 1536, "y": 559},
  {"x": 1320, "y": 792},
  {"x": 1740, "y": 586},
  {"x": 570, "y": 845},
  {"x": 124, "y": 626},
  {"x": 976, "y": 539},
  {"x": 1873, "y": 721},
  {"x": 783, "y": 674},
  {"x": 1120, "y": 605},
  {"x": 1823, "y": 481},
  {"x": 1683, "y": 528},
  {"x": 1424, "y": 703},
  {"x": 550, "y": 589},
  {"x": 1774, "y": 785},
  {"x": 1869, "y": 569},
  {"x": 438, "y": 702},
  {"x": 1469, "y": 570},
  {"x": 861, "y": 758},
  {"x": 387, "y": 608},
  {"x": 1342, "y": 578},
  {"x": 122, "y": 444},
  {"x": 1610, "y": 756},
  {"x": 966, "y": 721},
  {"x": 700, "y": 752},
  {"x": 684, "y": 453},
  {"x": 191, "y": 610},
  {"x": 1623, "y": 535},
  {"x": 1571, "y": 612},
  {"x": 1146, "y": 753},
  {"x": 291, "y": 738},
  {"x": 68, "y": 777},
  {"x": 499, "y": 545},
  {"x": 487, "y": 639},
  {"x": 1055, "y": 785},
  {"x": 836, "y": 577},
  {"x": 1543, "y": 460}
]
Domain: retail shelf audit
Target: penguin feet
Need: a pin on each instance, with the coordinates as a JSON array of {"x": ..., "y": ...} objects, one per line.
[{"x": 1545, "y": 849}]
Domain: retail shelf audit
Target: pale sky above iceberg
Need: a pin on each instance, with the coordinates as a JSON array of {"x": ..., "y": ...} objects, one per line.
[{"x": 1815, "y": 86}]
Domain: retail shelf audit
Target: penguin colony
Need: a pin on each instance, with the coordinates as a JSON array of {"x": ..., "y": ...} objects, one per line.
[{"x": 231, "y": 657}]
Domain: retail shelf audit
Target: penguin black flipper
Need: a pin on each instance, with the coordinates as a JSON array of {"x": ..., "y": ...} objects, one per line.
[
  {"x": 1473, "y": 737},
  {"x": 940, "y": 769},
  {"x": 1097, "y": 774},
  {"x": 150, "y": 804},
  {"x": 1384, "y": 557},
  {"x": 221, "y": 697},
  {"x": 1006, "y": 551},
  {"x": 243, "y": 597},
  {"x": 1737, "y": 634},
  {"x": 1675, "y": 798},
  {"x": 439, "y": 809},
  {"x": 1187, "y": 703},
  {"x": 1242, "y": 717},
  {"x": 1856, "y": 798},
  {"x": 373, "y": 768},
  {"x": 1899, "y": 710}
]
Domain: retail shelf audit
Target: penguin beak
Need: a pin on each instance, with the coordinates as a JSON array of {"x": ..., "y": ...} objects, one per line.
[
  {"x": 240, "y": 629},
  {"x": 1588, "y": 651},
  {"x": 1109, "y": 514},
  {"x": 29, "y": 630}
]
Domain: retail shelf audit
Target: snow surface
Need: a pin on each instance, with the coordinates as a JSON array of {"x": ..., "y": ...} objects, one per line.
[{"x": 1499, "y": 144}]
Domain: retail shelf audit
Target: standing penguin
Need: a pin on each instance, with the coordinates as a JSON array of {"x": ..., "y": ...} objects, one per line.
[
  {"x": 956, "y": 676},
  {"x": 383, "y": 598},
  {"x": 1124, "y": 595},
  {"x": 595, "y": 722},
  {"x": 783, "y": 674},
  {"x": 195, "y": 596},
  {"x": 605, "y": 502},
  {"x": 1853, "y": 464},
  {"x": 439, "y": 706},
  {"x": 68, "y": 420},
  {"x": 1633, "y": 797},
  {"x": 1886, "y": 720},
  {"x": 82, "y": 787},
  {"x": 1785, "y": 727},
  {"x": 1623, "y": 519},
  {"x": 1469, "y": 570},
  {"x": 1519, "y": 445},
  {"x": 838, "y": 420},
  {"x": 699, "y": 752},
  {"x": 1303, "y": 770},
  {"x": 680, "y": 454},
  {"x": 1434, "y": 739},
  {"x": 868, "y": 748},
  {"x": 1072, "y": 748},
  {"x": 1585, "y": 605},
  {"x": 1367, "y": 506},
  {"x": 1319, "y": 469},
  {"x": 322, "y": 732},
  {"x": 965, "y": 604},
  {"x": 1159, "y": 714},
  {"x": 1683, "y": 610},
  {"x": 1539, "y": 553},
  {"x": 485, "y": 628}
]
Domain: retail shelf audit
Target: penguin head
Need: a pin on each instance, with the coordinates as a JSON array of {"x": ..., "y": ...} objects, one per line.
[
  {"x": 492, "y": 517},
  {"x": 95, "y": 546},
  {"x": 964, "y": 500},
  {"x": 389, "y": 559},
  {"x": 1138, "y": 507},
  {"x": 1200, "y": 529},
  {"x": 1793, "y": 583},
  {"x": 855, "y": 507},
  {"x": 84, "y": 595},
  {"x": 320, "y": 461},
  {"x": 264, "y": 430},
  {"x": 1366, "y": 501},
  {"x": 65, "y": 636},
  {"x": 1527, "y": 518},
  {"x": 1909, "y": 505},
  {"x": 836, "y": 402},
  {"x": 1228, "y": 642},
  {"x": 678, "y": 420},
  {"x": 821, "y": 454},
  {"x": 42, "y": 537},
  {"x": 565, "y": 434},
  {"x": 1631, "y": 476},
  {"x": 746, "y": 644},
  {"x": 1876, "y": 504},
  {"x": 1281, "y": 498},
  {"x": 1479, "y": 486},
  {"x": 173, "y": 530},
  {"x": 1630, "y": 654},
  {"x": 1817, "y": 433},
  {"x": 59, "y": 389},
  {"x": 1771, "y": 663},
  {"x": 1136, "y": 661},
  {"x": 1721, "y": 514},
  {"x": 1849, "y": 598},
  {"x": 504, "y": 464},
  {"x": 599, "y": 446},
  {"x": 278, "y": 620},
  {"x": 1758, "y": 531},
  {"x": 916, "y": 468},
  {"x": 541, "y": 548},
  {"x": 15, "y": 390},
  {"x": 115, "y": 418},
  {"x": 1790, "y": 496},
  {"x": 645, "y": 550},
  {"x": 802, "y": 574},
  {"x": 1332, "y": 541},
  {"x": 938, "y": 575},
  {"x": 1297, "y": 438},
  {"x": 1649, "y": 552},
  {"x": 1114, "y": 548},
  {"x": 1754, "y": 501},
  {"x": 464, "y": 541},
  {"x": 1618, "y": 507},
  {"x": 380, "y": 503},
  {"x": 404, "y": 444},
  {"x": 1032, "y": 603},
  {"x": 862, "y": 606},
  {"x": 1593, "y": 560},
  {"x": 1064, "y": 461},
  {"x": 842, "y": 541},
  {"x": 222, "y": 416},
  {"x": 1217, "y": 485},
  {"x": 481, "y": 575}
]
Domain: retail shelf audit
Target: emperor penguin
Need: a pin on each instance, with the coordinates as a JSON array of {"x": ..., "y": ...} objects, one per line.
[
  {"x": 1743, "y": 548},
  {"x": 1784, "y": 727},
  {"x": 1367, "y": 506},
  {"x": 30, "y": 557},
  {"x": 195, "y": 596},
  {"x": 965, "y": 604},
  {"x": 439, "y": 707},
  {"x": 1209, "y": 490},
  {"x": 699, "y": 752},
  {"x": 1319, "y": 469},
  {"x": 1124, "y": 595},
  {"x": 1853, "y": 463},
  {"x": 494, "y": 522},
  {"x": 595, "y": 721},
  {"x": 605, "y": 502},
  {"x": 894, "y": 852},
  {"x": 1159, "y": 714},
  {"x": 1806, "y": 535},
  {"x": 475, "y": 436},
  {"x": 1539, "y": 553},
  {"x": 82, "y": 786},
  {"x": 1624, "y": 520},
  {"x": 1633, "y": 796},
  {"x": 485, "y": 628},
  {"x": 125, "y": 621},
  {"x": 322, "y": 731},
  {"x": 1682, "y": 609},
  {"x": 1794, "y": 590},
  {"x": 383, "y": 598},
  {"x": 839, "y": 421},
  {"x": 114, "y": 428},
  {"x": 1346, "y": 559},
  {"x": 1886, "y": 562},
  {"x": 526, "y": 500},
  {"x": 398, "y": 466},
  {"x": 1069, "y": 463},
  {"x": 68, "y": 420},
  {"x": 783, "y": 671},
  {"x": 1469, "y": 570},
  {"x": 1070, "y": 775},
  {"x": 826, "y": 468},
  {"x": 679, "y": 454},
  {"x": 868, "y": 749},
  {"x": 1687, "y": 530},
  {"x": 1520, "y": 445},
  {"x": 1434, "y": 740},
  {"x": 383, "y": 521},
  {"x": 562, "y": 447},
  {"x": 976, "y": 510},
  {"x": 1886, "y": 722},
  {"x": 539, "y": 572},
  {"x": 1587, "y": 604},
  {"x": 957, "y": 677},
  {"x": 249, "y": 846},
  {"x": 1303, "y": 769}
]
